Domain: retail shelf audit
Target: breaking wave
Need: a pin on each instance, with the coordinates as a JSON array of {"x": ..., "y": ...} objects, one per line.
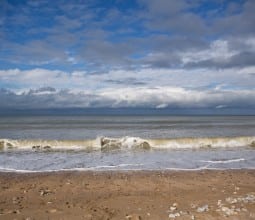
[{"x": 106, "y": 143}]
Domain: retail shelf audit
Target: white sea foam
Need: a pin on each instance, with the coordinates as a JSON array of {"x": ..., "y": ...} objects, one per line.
[
  {"x": 95, "y": 169},
  {"x": 105, "y": 143},
  {"x": 187, "y": 169},
  {"x": 223, "y": 161}
]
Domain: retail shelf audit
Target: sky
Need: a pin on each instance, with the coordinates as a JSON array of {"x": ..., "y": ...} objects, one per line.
[{"x": 127, "y": 53}]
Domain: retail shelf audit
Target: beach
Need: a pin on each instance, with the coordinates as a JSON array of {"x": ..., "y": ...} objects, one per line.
[
  {"x": 127, "y": 167},
  {"x": 206, "y": 194},
  {"x": 127, "y": 110}
]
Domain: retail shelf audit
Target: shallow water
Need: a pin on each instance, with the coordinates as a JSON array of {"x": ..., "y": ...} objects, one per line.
[
  {"x": 232, "y": 145},
  {"x": 90, "y": 127}
]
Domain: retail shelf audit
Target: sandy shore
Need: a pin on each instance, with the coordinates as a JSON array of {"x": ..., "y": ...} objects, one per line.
[{"x": 128, "y": 195}]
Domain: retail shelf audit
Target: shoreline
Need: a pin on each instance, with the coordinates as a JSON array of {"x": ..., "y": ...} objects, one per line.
[
  {"x": 128, "y": 171},
  {"x": 204, "y": 194}
]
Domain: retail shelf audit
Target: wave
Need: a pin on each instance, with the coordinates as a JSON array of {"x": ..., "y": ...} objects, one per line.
[{"x": 106, "y": 143}]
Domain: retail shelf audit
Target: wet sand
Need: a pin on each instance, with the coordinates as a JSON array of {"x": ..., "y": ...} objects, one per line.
[{"x": 128, "y": 195}]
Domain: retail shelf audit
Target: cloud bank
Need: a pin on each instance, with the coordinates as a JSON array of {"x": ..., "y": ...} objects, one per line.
[{"x": 157, "y": 97}]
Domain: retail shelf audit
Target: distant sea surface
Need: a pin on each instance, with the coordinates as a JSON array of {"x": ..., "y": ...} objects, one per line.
[{"x": 52, "y": 143}]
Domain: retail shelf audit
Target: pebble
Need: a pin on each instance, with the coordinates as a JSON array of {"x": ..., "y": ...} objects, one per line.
[
  {"x": 249, "y": 198},
  {"x": 204, "y": 208},
  {"x": 44, "y": 192},
  {"x": 231, "y": 200},
  {"x": 133, "y": 217},
  {"x": 16, "y": 212},
  {"x": 228, "y": 211},
  {"x": 172, "y": 208},
  {"x": 174, "y": 215}
]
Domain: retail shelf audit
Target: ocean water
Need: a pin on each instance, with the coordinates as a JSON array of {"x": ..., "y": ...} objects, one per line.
[{"x": 51, "y": 143}]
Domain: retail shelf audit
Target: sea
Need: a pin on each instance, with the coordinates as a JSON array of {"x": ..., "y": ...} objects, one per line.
[{"x": 124, "y": 143}]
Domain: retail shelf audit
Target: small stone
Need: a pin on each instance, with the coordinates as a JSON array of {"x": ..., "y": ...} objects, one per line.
[
  {"x": 192, "y": 217},
  {"x": 249, "y": 198},
  {"x": 231, "y": 200},
  {"x": 204, "y": 208},
  {"x": 44, "y": 192},
  {"x": 174, "y": 215},
  {"x": 175, "y": 204},
  {"x": 52, "y": 210},
  {"x": 133, "y": 217},
  {"x": 16, "y": 212},
  {"x": 228, "y": 211},
  {"x": 172, "y": 208}
]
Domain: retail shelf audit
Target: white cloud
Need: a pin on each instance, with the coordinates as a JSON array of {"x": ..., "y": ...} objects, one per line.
[
  {"x": 232, "y": 78},
  {"x": 219, "y": 51},
  {"x": 152, "y": 97}
]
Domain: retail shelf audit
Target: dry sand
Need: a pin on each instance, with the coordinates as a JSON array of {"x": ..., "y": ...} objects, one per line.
[{"x": 128, "y": 195}]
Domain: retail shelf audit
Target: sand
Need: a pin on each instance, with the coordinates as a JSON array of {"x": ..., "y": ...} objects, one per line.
[{"x": 128, "y": 195}]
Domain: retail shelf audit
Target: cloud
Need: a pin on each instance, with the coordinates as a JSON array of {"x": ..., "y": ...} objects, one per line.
[
  {"x": 221, "y": 54},
  {"x": 234, "y": 78},
  {"x": 157, "y": 97},
  {"x": 127, "y": 81},
  {"x": 153, "y": 53},
  {"x": 96, "y": 36}
]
